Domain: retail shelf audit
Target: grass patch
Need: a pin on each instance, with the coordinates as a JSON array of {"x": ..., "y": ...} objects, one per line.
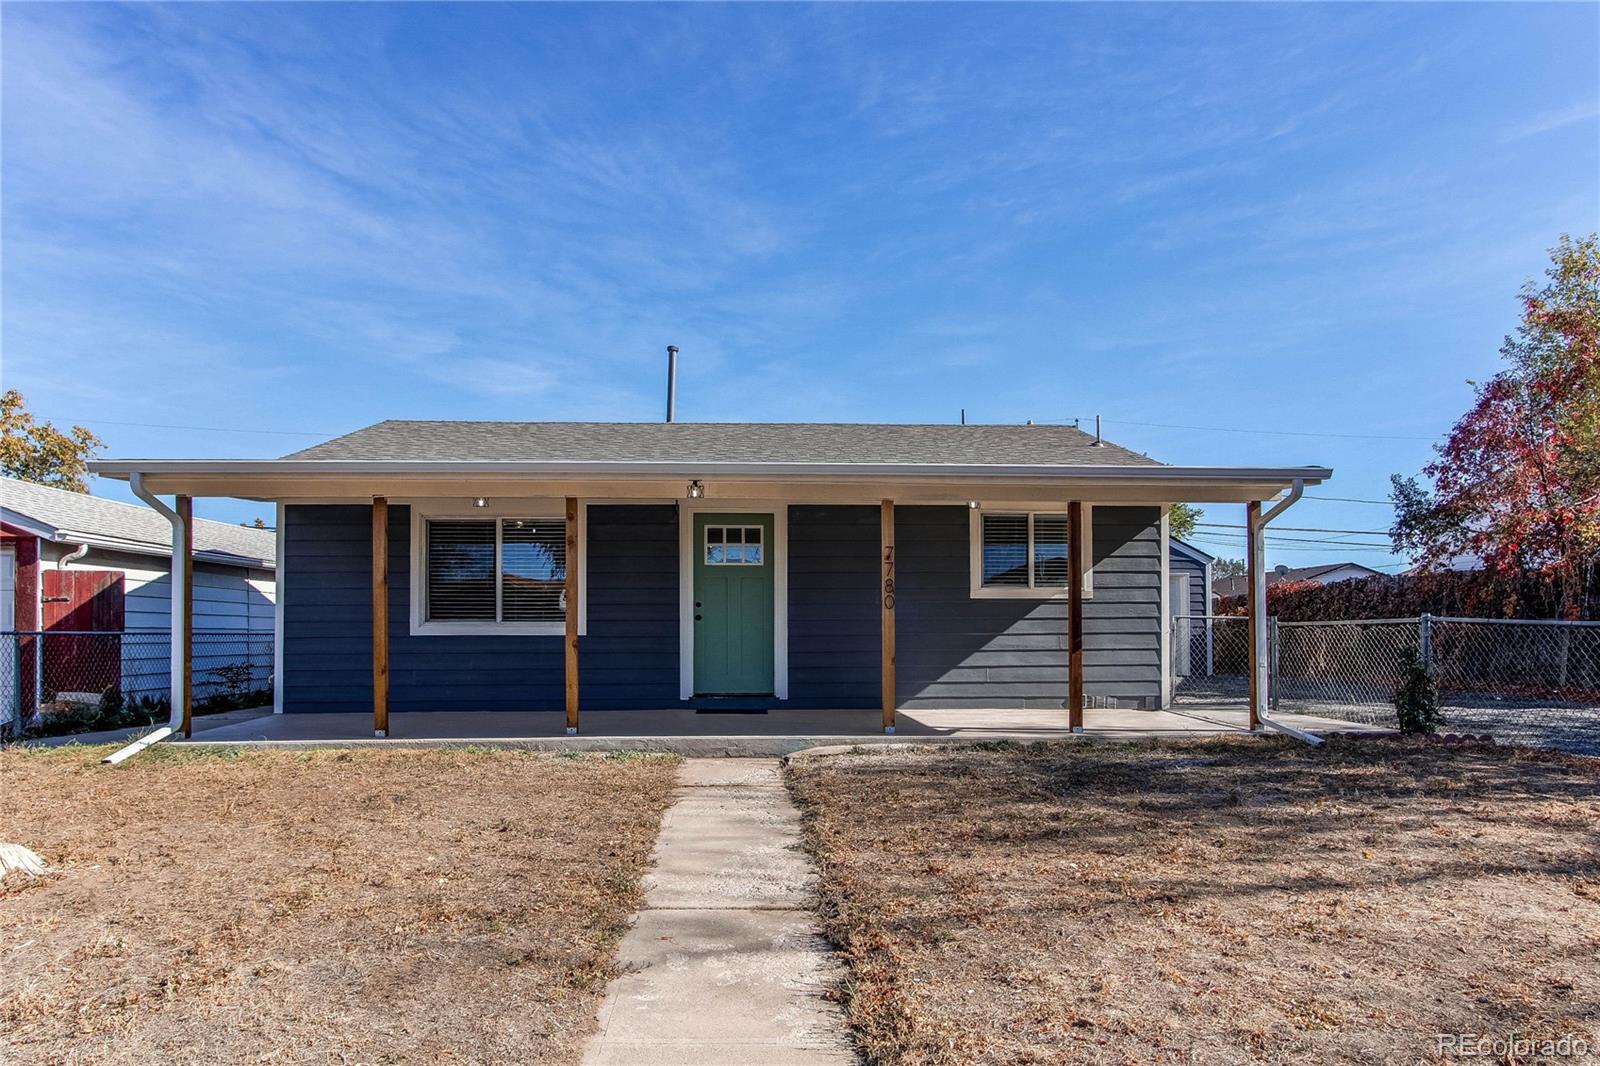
[
  {"x": 227, "y": 905},
  {"x": 1237, "y": 900}
]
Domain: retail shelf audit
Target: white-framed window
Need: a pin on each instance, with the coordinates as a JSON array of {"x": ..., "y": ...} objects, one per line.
[
  {"x": 500, "y": 573},
  {"x": 1023, "y": 554}
]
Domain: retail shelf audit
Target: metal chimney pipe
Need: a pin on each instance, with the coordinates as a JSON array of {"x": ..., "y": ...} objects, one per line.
[
  {"x": 1099, "y": 442},
  {"x": 672, "y": 382}
]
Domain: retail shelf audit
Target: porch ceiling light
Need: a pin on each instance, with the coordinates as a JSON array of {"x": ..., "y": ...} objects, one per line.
[
  {"x": 973, "y": 504},
  {"x": 696, "y": 489},
  {"x": 480, "y": 502}
]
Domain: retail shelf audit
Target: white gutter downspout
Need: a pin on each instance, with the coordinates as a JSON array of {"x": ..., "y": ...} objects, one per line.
[
  {"x": 1258, "y": 543},
  {"x": 72, "y": 556},
  {"x": 180, "y": 600}
]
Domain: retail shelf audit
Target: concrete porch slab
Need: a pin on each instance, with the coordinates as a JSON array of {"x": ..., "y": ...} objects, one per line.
[{"x": 684, "y": 732}]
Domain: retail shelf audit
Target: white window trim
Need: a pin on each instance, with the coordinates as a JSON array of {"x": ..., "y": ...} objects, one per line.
[
  {"x": 530, "y": 508},
  {"x": 777, "y": 554},
  {"x": 1011, "y": 592}
]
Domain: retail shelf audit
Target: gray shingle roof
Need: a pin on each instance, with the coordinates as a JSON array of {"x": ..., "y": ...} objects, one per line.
[
  {"x": 77, "y": 512},
  {"x": 732, "y": 442}
]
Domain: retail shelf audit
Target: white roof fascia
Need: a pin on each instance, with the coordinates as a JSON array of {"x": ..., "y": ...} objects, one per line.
[
  {"x": 121, "y": 468},
  {"x": 1190, "y": 551},
  {"x": 135, "y": 547},
  {"x": 31, "y": 525}
]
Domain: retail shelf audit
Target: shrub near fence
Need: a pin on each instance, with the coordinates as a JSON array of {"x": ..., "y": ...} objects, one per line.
[{"x": 230, "y": 668}]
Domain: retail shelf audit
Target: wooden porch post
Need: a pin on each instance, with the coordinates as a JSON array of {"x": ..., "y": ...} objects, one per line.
[
  {"x": 183, "y": 572},
  {"x": 1076, "y": 570},
  {"x": 572, "y": 614},
  {"x": 380, "y": 616},
  {"x": 886, "y": 555},
  {"x": 1255, "y": 593}
]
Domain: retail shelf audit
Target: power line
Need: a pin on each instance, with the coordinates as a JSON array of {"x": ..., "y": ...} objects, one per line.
[
  {"x": 1349, "y": 499},
  {"x": 1242, "y": 429},
  {"x": 197, "y": 429},
  {"x": 1240, "y": 538},
  {"x": 1323, "y": 548},
  {"x": 1299, "y": 529}
]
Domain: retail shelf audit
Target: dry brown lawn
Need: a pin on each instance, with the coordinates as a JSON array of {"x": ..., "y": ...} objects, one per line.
[
  {"x": 317, "y": 907},
  {"x": 1208, "y": 902}
]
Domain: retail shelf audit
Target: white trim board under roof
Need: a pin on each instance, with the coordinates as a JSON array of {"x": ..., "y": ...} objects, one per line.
[
  {"x": 844, "y": 483},
  {"x": 837, "y": 462}
]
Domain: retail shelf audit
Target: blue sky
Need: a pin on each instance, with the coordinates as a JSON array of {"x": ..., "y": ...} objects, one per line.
[{"x": 1308, "y": 220}]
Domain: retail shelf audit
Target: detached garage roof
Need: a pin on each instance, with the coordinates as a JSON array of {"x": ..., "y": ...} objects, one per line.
[
  {"x": 725, "y": 442},
  {"x": 78, "y": 518}
]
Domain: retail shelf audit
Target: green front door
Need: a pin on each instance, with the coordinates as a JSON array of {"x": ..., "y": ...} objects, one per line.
[{"x": 733, "y": 568}]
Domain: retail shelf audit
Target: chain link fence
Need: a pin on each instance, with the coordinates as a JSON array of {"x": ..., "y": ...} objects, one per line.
[
  {"x": 59, "y": 673},
  {"x": 1522, "y": 682}
]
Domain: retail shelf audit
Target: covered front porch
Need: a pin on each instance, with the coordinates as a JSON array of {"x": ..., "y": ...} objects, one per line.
[{"x": 1019, "y": 593}]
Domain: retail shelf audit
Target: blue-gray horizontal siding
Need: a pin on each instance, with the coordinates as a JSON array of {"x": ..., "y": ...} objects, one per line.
[
  {"x": 957, "y": 651},
  {"x": 953, "y": 650},
  {"x": 629, "y": 657},
  {"x": 835, "y": 634}
]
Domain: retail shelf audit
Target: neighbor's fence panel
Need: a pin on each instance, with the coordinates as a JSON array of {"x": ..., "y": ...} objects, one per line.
[
  {"x": 54, "y": 666},
  {"x": 1522, "y": 682}
]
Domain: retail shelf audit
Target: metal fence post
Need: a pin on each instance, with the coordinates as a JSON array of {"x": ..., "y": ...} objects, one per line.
[
  {"x": 1425, "y": 641},
  {"x": 1274, "y": 659}
]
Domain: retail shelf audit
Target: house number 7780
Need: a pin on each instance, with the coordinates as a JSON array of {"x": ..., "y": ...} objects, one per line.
[{"x": 888, "y": 578}]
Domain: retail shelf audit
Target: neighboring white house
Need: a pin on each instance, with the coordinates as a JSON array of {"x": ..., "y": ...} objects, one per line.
[
  {"x": 1322, "y": 574},
  {"x": 233, "y": 565},
  {"x": 74, "y": 564}
]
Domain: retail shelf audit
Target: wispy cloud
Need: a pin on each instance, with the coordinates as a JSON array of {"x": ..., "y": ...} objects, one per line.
[{"x": 1573, "y": 115}]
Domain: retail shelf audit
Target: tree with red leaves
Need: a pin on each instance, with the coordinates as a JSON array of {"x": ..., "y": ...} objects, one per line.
[{"x": 1517, "y": 484}]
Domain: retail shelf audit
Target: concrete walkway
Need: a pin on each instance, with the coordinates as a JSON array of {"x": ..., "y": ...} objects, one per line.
[{"x": 724, "y": 965}]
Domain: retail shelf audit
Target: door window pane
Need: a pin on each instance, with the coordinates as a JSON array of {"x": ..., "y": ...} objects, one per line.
[{"x": 733, "y": 546}]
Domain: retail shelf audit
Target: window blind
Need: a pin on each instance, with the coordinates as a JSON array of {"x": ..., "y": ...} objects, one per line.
[
  {"x": 1005, "y": 550},
  {"x": 461, "y": 570},
  {"x": 533, "y": 569},
  {"x": 1050, "y": 551}
]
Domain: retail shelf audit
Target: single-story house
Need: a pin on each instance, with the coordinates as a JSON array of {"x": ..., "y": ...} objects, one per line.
[
  {"x": 71, "y": 563},
  {"x": 1322, "y": 574},
  {"x": 544, "y": 565}
]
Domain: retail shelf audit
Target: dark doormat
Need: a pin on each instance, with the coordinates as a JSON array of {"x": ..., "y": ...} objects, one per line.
[{"x": 730, "y": 710}]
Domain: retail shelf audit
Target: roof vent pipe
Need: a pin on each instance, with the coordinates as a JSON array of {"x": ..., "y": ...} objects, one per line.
[
  {"x": 1098, "y": 442},
  {"x": 672, "y": 382}
]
